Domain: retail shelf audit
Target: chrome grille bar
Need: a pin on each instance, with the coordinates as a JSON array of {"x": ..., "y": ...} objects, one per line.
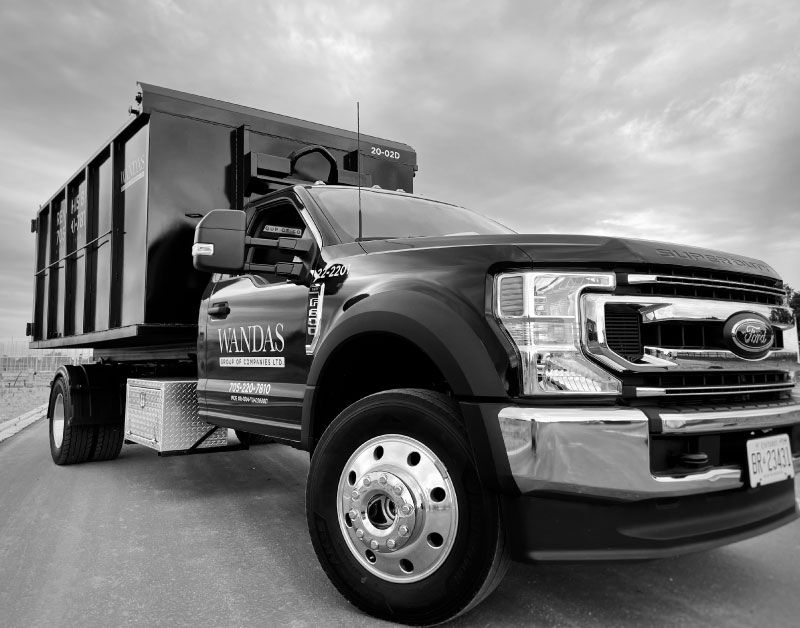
[
  {"x": 714, "y": 390},
  {"x": 727, "y": 420},
  {"x": 702, "y": 282},
  {"x": 655, "y": 309}
]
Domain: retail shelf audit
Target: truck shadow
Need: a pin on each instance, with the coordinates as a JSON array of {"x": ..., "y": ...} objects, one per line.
[
  {"x": 262, "y": 490},
  {"x": 731, "y": 586},
  {"x": 588, "y": 595}
]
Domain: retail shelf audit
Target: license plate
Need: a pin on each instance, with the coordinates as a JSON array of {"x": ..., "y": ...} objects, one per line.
[{"x": 769, "y": 459}]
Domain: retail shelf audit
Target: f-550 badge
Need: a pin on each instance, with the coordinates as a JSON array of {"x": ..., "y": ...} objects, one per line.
[{"x": 314, "y": 316}]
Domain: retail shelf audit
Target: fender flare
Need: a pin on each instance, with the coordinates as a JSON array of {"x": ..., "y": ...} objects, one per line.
[
  {"x": 452, "y": 335},
  {"x": 94, "y": 390}
]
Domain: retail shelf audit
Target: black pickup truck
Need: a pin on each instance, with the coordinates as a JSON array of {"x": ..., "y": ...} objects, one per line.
[{"x": 468, "y": 395}]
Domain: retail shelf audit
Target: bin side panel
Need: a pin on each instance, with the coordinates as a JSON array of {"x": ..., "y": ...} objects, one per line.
[
  {"x": 76, "y": 256},
  {"x": 42, "y": 251},
  {"x": 190, "y": 171},
  {"x": 132, "y": 179},
  {"x": 100, "y": 251},
  {"x": 58, "y": 250}
]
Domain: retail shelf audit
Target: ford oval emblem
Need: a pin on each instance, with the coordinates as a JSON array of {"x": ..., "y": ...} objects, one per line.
[{"x": 749, "y": 336}]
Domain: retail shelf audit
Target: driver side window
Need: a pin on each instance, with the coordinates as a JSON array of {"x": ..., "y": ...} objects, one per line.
[{"x": 273, "y": 222}]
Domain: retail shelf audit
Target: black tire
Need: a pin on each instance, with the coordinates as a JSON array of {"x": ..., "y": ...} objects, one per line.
[
  {"x": 69, "y": 444},
  {"x": 106, "y": 406},
  {"x": 108, "y": 442},
  {"x": 248, "y": 438},
  {"x": 475, "y": 555}
]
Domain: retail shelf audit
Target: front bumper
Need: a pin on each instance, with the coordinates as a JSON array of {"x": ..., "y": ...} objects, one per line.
[
  {"x": 576, "y": 482},
  {"x": 556, "y": 528},
  {"x": 604, "y": 452}
]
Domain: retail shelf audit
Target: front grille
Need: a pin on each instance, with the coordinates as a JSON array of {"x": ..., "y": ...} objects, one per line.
[
  {"x": 711, "y": 387},
  {"x": 623, "y": 331},
  {"x": 702, "y": 284},
  {"x": 727, "y": 379},
  {"x": 662, "y": 333},
  {"x": 673, "y": 380}
]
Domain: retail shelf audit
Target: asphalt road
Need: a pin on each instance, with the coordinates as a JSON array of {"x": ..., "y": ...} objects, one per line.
[{"x": 220, "y": 540}]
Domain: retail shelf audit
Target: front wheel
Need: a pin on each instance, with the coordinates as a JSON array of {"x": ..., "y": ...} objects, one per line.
[{"x": 397, "y": 515}]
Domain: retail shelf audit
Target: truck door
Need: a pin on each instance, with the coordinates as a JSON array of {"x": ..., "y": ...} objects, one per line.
[{"x": 256, "y": 364}]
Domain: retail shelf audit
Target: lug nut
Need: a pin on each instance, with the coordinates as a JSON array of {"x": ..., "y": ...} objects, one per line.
[
  {"x": 360, "y": 533},
  {"x": 391, "y": 543},
  {"x": 373, "y": 544},
  {"x": 382, "y": 479},
  {"x": 355, "y": 494},
  {"x": 367, "y": 481},
  {"x": 403, "y": 531},
  {"x": 406, "y": 509},
  {"x": 398, "y": 489},
  {"x": 353, "y": 514}
]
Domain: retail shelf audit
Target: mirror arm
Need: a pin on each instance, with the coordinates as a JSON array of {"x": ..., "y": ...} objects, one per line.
[
  {"x": 293, "y": 244},
  {"x": 262, "y": 242},
  {"x": 284, "y": 244},
  {"x": 289, "y": 269},
  {"x": 258, "y": 268},
  {"x": 284, "y": 269}
]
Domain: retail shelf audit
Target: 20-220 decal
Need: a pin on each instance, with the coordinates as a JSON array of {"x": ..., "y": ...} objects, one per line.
[{"x": 334, "y": 270}]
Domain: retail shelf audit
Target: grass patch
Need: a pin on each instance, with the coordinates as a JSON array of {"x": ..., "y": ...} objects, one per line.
[{"x": 22, "y": 392}]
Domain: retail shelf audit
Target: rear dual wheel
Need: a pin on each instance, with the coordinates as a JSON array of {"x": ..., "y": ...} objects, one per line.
[
  {"x": 69, "y": 444},
  {"x": 73, "y": 444},
  {"x": 396, "y": 512}
]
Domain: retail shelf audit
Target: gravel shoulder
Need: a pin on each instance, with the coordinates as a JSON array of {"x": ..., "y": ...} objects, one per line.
[{"x": 17, "y": 400}]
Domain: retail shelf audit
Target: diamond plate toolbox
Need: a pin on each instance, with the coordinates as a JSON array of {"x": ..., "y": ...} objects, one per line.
[{"x": 163, "y": 414}]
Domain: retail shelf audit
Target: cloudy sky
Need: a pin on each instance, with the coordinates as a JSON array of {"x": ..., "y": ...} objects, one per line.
[{"x": 675, "y": 121}]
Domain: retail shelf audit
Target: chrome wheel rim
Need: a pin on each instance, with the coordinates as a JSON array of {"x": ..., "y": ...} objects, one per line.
[
  {"x": 397, "y": 508},
  {"x": 58, "y": 421}
]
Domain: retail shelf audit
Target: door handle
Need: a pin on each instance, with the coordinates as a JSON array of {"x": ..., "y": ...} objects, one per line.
[{"x": 219, "y": 310}]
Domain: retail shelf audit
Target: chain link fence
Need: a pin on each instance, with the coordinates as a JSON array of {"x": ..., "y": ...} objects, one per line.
[{"x": 21, "y": 366}]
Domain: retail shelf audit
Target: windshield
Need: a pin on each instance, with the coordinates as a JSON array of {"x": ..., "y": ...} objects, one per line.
[{"x": 389, "y": 215}]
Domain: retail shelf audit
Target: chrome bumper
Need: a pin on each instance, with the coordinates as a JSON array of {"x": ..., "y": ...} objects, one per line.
[{"x": 605, "y": 452}]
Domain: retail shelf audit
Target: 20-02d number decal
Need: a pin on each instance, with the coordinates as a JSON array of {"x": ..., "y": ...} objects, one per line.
[{"x": 377, "y": 151}]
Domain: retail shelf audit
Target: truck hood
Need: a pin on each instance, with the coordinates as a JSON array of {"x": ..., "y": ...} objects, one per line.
[{"x": 571, "y": 249}]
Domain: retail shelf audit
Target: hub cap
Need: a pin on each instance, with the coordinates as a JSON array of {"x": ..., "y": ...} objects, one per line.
[
  {"x": 397, "y": 508},
  {"x": 58, "y": 421}
]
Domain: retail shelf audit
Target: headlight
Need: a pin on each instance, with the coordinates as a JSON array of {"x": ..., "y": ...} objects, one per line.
[{"x": 540, "y": 312}]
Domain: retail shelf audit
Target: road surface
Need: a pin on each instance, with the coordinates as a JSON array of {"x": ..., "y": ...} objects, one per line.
[{"x": 220, "y": 540}]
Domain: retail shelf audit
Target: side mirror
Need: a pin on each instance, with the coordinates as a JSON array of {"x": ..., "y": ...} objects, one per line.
[{"x": 219, "y": 240}]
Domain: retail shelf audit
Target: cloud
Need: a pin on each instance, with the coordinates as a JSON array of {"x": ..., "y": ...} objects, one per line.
[{"x": 660, "y": 120}]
